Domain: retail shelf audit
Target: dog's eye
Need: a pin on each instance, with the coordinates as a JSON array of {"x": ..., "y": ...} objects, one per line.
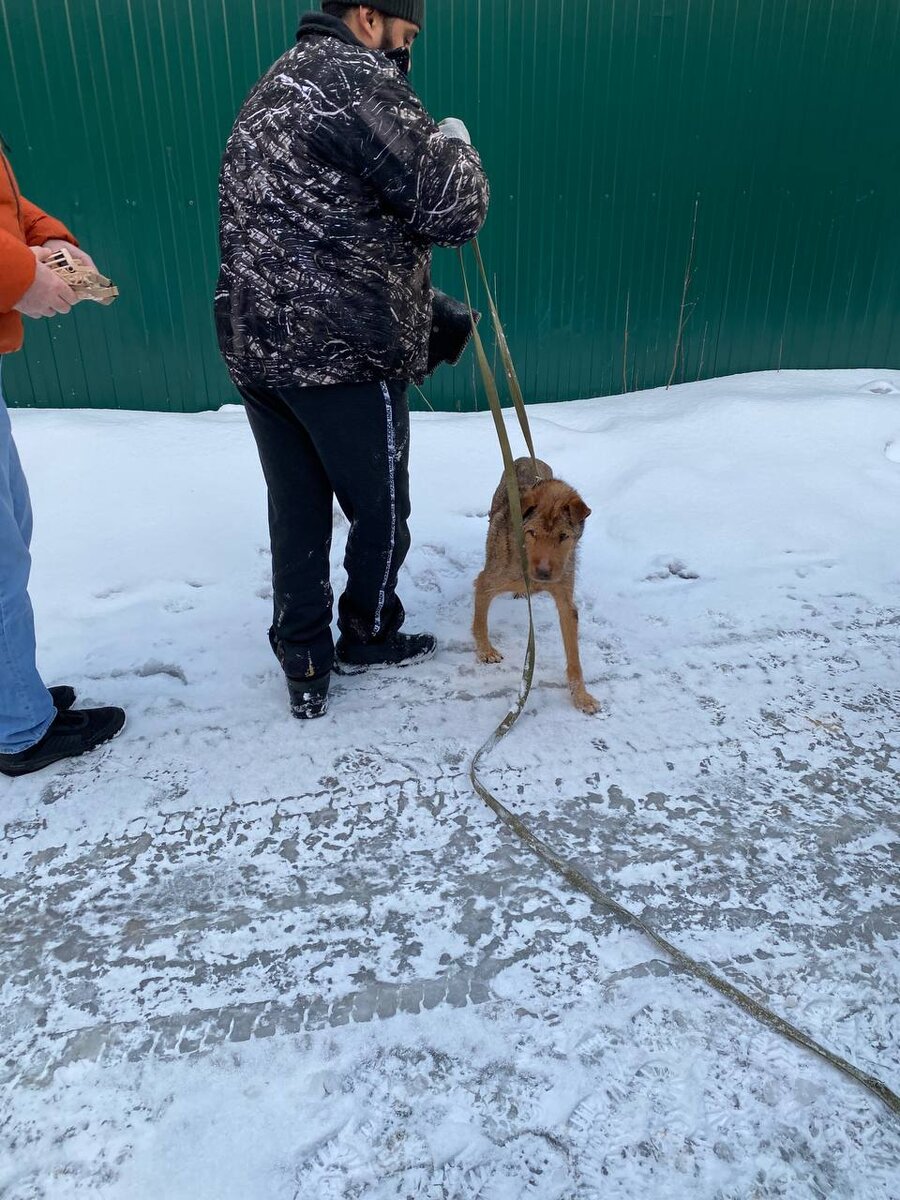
[
  {"x": 564, "y": 537},
  {"x": 529, "y": 533}
]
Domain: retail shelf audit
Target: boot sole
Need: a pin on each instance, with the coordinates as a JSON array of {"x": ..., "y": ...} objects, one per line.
[
  {"x": 33, "y": 768},
  {"x": 344, "y": 668}
]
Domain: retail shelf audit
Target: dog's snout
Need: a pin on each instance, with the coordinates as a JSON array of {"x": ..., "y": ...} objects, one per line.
[{"x": 542, "y": 571}]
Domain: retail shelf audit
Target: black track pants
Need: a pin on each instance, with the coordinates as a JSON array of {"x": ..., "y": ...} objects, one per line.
[{"x": 350, "y": 441}]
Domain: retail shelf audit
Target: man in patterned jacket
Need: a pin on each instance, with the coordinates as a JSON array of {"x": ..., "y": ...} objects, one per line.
[{"x": 335, "y": 185}]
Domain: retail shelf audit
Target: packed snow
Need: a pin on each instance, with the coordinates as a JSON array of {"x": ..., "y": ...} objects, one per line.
[{"x": 245, "y": 957}]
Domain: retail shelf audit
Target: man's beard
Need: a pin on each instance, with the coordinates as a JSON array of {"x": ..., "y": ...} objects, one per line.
[
  {"x": 387, "y": 37},
  {"x": 400, "y": 56}
]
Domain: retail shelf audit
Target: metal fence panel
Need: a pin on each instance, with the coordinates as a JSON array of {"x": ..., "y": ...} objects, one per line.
[{"x": 681, "y": 188}]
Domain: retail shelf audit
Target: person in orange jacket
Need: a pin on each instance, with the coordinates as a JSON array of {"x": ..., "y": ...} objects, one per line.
[{"x": 38, "y": 726}]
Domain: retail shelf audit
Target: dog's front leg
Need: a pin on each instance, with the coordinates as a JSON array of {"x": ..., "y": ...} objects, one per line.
[
  {"x": 484, "y": 594},
  {"x": 568, "y": 620}
]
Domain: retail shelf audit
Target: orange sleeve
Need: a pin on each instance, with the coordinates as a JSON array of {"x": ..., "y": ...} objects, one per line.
[
  {"x": 17, "y": 270},
  {"x": 40, "y": 228}
]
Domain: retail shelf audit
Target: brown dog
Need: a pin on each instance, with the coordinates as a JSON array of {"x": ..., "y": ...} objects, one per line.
[{"x": 554, "y": 516}]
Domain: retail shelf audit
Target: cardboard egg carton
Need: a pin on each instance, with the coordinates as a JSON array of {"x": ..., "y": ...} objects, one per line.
[{"x": 85, "y": 283}]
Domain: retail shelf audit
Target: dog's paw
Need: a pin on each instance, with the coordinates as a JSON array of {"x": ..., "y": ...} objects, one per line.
[
  {"x": 585, "y": 702},
  {"x": 490, "y": 655},
  {"x": 518, "y": 595}
]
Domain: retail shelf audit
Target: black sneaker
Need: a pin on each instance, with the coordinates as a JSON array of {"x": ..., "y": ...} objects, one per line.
[
  {"x": 63, "y": 698},
  {"x": 71, "y": 734},
  {"x": 309, "y": 697},
  {"x": 399, "y": 650}
]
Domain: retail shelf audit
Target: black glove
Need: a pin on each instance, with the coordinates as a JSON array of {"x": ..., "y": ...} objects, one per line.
[{"x": 451, "y": 328}]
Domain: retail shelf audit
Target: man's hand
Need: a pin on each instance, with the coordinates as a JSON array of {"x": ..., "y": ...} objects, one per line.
[
  {"x": 49, "y": 294},
  {"x": 452, "y": 127},
  {"x": 77, "y": 253}
]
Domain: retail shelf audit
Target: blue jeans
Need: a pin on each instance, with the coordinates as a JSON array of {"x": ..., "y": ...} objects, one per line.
[{"x": 26, "y": 708}]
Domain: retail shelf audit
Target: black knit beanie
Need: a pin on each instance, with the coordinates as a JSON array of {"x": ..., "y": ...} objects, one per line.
[{"x": 406, "y": 10}]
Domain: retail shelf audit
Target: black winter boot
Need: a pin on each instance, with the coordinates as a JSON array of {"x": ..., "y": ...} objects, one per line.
[
  {"x": 63, "y": 698},
  {"x": 72, "y": 733},
  {"x": 399, "y": 650},
  {"x": 309, "y": 697}
]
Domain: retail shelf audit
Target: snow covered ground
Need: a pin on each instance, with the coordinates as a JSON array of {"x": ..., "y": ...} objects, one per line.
[{"x": 248, "y": 958}]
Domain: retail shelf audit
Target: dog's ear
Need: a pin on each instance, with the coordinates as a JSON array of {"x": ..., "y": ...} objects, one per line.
[
  {"x": 529, "y": 503},
  {"x": 578, "y": 511}
]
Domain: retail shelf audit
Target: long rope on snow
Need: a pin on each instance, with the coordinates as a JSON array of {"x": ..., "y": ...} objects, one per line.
[{"x": 572, "y": 874}]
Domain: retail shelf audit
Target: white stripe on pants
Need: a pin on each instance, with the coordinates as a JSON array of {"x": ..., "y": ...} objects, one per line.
[{"x": 392, "y": 463}]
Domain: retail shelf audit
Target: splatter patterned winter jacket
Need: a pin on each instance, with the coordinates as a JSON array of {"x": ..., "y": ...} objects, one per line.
[{"x": 335, "y": 185}]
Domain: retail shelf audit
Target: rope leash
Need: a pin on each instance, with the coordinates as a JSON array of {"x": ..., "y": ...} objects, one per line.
[{"x": 572, "y": 875}]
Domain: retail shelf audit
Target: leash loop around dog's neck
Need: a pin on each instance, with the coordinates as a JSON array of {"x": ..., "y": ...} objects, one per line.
[{"x": 573, "y": 875}]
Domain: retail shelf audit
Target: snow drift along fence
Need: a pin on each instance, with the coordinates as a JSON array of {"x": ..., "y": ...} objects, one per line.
[{"x": 682, "y": 188}]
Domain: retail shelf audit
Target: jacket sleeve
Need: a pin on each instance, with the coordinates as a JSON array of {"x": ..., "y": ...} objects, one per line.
[
  {"x": 434, "y": 183},
  {"x": 451, "y": 328},
  {"x": 17, "y": 270},
  {"x": 40, "y": 228}
]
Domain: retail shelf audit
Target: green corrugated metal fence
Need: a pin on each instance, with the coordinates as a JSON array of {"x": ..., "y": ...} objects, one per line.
[{"x": 617, "y": 133}]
